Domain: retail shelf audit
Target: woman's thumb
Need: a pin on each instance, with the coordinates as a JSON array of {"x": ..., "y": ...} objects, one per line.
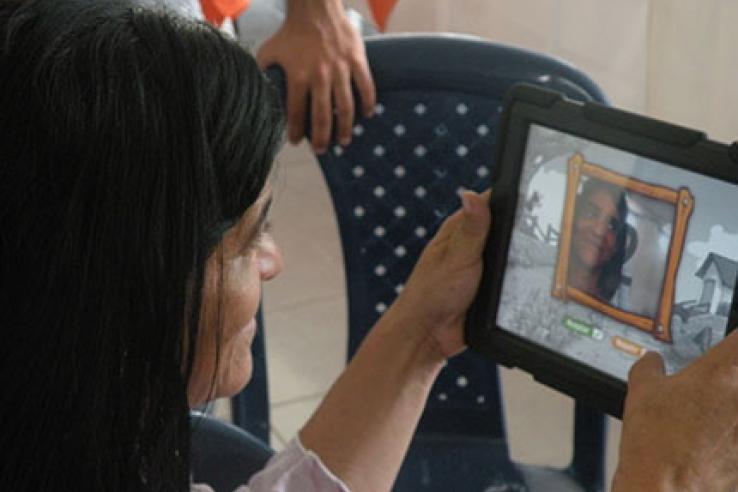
[{"x": 476, "y": 219}]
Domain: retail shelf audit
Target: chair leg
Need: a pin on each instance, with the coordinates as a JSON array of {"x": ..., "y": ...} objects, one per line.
[{"x": 590, "y": 439}]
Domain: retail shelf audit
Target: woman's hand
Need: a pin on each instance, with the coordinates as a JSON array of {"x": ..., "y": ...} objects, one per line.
[
  {"x": 321, "y": 53},
  {"x": 363, "y": 428},
  {"x": 680, "y": 432},
  {"x": 445, "y": 279}
]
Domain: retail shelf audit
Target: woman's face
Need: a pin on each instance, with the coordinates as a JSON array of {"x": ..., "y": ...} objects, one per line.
[
  {"x": 595, "y": 230},
  {"x": 246, "y": 256}
]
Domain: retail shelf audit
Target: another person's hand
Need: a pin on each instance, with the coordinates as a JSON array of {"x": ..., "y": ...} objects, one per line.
[
  {"x": 445, "y": 279},
  {"x": 320, "y": 52},
  {"x": 680, "y": 432}
]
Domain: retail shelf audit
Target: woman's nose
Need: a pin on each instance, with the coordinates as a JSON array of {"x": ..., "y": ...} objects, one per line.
[
  {"x": 270, "y": 259},
  {"x": 600, "y": 228}
]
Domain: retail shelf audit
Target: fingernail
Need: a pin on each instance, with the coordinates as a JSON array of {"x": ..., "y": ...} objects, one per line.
[
  {"x": 319, "y": 150},
  {"x": 344, "y": 141}
]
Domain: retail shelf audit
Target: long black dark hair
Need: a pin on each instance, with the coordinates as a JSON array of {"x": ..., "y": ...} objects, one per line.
[
  {"x": 611, "y": 272},
  {"x": 130, "y": 140}
]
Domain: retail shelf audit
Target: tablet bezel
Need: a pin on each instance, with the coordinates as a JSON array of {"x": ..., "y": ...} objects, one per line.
[{"x": 527, "y": 105}]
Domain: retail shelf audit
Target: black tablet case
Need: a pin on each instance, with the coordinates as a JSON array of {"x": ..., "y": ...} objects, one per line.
[{"x": 525, "y": 105}]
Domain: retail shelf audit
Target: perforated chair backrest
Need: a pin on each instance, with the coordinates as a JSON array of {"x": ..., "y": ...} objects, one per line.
[
  {"x": 434, "y": 131},
  {"x": 433, "y": 134}
]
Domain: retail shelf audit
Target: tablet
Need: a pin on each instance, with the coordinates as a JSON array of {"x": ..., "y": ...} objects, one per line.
[{"x": 613, "y": 234}]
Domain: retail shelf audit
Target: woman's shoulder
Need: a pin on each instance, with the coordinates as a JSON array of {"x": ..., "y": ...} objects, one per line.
[{"x": 294, "y": 469}]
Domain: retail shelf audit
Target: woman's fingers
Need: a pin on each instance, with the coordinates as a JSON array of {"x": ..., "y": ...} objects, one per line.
[{"x": 644, "y": 374}]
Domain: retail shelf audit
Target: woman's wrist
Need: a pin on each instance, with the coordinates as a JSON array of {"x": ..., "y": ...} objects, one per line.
[
  {"x": 362, "y": 429},
  {"x": 408, "y": 332}
]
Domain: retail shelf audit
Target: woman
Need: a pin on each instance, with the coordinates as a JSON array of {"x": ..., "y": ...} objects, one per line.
[
  {"x": 598, "y": 239},
  {"x": 135, "y": 150},
  {"x": 129, "y": 154}
]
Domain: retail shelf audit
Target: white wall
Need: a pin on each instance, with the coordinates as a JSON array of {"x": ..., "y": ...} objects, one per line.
[
  {"x": 672, "y": 59},
  {"x": 712, "y": 274}
]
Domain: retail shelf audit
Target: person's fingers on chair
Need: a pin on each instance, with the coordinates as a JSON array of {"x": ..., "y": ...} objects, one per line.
[
  {"x": 344, "y": 105},
  {"x": 362, "y": 76},
  {"x": 321, "y": 111},
  {"x": 297, "y": 93},
  {"x": 266, "y": 56}
]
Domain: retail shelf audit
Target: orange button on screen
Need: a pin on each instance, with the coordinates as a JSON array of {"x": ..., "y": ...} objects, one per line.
[{"x": 628, "y": 347}]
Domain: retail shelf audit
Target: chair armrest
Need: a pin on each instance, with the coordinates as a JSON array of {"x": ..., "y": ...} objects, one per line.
[{"x": 222, "y": 455}]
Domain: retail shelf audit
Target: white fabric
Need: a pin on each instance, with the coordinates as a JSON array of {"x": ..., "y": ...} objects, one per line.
[{"x": 294, "y": 469}]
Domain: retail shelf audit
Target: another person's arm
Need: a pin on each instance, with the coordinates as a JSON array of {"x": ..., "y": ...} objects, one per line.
[
  {"x": 321, "y": 53},
  {"x": 680, "y": 432}
]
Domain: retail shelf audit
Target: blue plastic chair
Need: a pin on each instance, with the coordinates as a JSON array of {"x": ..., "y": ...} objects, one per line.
[
  {"x": 223, "y": 455},
  {"x": 250, "y": 408},
  {"x": 433, "y": 133}
]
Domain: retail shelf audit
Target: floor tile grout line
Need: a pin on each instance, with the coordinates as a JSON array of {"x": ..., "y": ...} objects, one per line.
[
  {"x": 302, "y": 303},
  {"x": 297, "y": 399},
  {"x": 280, "y": 438}
]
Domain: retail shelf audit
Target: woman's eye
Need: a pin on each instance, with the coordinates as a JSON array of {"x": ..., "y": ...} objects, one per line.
[
  {"x": 590, "y": 212},
  {"x": 263, "y": 231},
  {"x": 266, "y": 228}
]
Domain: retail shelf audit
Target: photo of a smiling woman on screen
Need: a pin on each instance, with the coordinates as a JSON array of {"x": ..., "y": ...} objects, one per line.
[{"x": 598, "y": 241}]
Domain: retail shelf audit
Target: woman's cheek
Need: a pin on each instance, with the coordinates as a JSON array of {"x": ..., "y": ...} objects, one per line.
[
  {"x": 609, "y": 241},
  {"x": 243, "y": 290}
]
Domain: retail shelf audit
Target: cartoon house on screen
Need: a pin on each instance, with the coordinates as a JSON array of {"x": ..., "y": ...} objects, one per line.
[{"x": 718, "y": 275}]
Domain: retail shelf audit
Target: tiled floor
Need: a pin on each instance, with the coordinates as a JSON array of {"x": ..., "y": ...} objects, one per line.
[
  {"x": 304, "y": 307},
  {"x": 305, "y": 317}
]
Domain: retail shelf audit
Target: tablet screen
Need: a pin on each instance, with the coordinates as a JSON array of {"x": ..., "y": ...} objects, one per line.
[{"x": 613, "y": 255}]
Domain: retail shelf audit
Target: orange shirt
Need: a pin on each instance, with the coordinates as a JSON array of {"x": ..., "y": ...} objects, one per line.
[
  {"x": 217, "y": 11},
  {"x": 381, "y": 10}
]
